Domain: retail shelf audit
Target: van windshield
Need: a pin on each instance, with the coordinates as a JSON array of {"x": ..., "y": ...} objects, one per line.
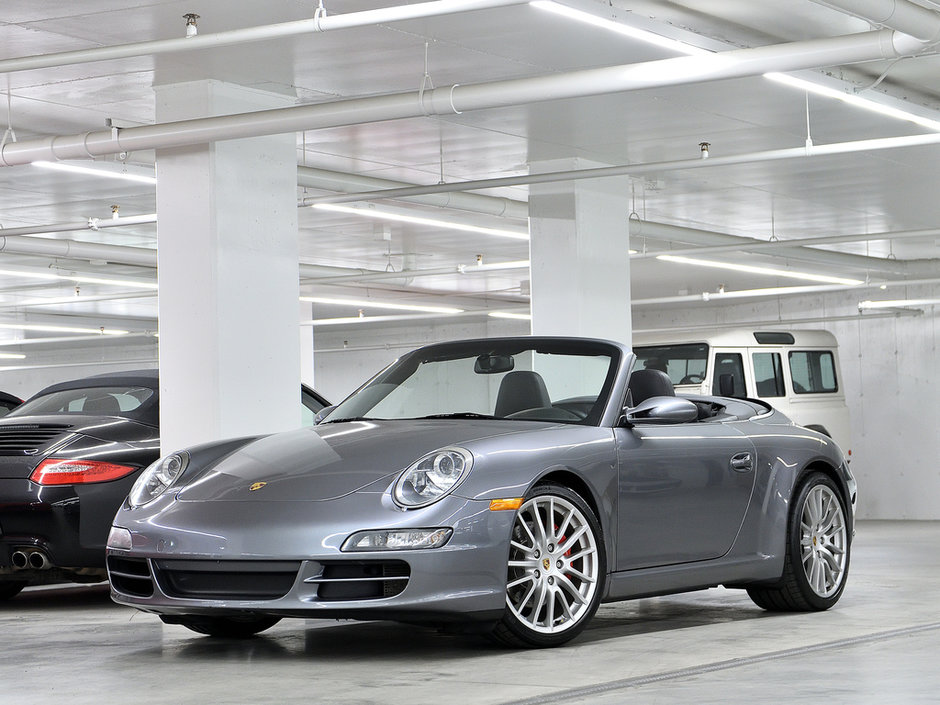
[{"x": 685, "y": 364}]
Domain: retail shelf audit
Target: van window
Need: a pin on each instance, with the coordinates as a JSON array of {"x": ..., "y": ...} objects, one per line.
[
  {"x": 813, "y": 372},
  {"x": 728, "y": 363},
  {"x": 685, "y": 364},
  {"x": 768, "y": 375}
]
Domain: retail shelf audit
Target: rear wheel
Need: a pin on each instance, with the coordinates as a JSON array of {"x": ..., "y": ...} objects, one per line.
[
  {"x": 818, "y": 547},
  {"x": 227, "y": 627},
  {"x": 11, "y": 589},
  {"x": 556, "y": 569}
]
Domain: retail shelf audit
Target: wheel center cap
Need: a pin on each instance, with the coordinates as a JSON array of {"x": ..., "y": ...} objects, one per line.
[{"x": 546, "y": 564}]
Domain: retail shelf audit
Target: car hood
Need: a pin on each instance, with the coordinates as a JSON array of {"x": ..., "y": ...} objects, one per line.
[{"x": 332, "y": 460}]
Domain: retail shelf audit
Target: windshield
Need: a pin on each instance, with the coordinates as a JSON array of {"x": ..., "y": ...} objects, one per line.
[
  {"x": 685, "y": 364},
  {"x": 101, "y": 401},
  {"x": 501, "y": 379}
]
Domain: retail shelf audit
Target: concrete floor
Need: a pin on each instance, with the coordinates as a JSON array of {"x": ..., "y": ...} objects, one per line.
[{"x": 880, "y": 644}]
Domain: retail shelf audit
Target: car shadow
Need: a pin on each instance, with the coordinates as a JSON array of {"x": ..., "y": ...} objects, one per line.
[{"x": 60, "y": 597}]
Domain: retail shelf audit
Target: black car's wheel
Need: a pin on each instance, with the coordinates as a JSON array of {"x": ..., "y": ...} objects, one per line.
[
  {"x": 11, "y": 589},
  {"x": 818, "y": 547},
  {"x": 227, "y": 627},
  {"x": 556, "y": 569}
]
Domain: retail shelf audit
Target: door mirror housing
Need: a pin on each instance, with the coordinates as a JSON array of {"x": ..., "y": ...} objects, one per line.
[
  {"x": 661, "y": 410},
  {"x": 322, "y": 413}
]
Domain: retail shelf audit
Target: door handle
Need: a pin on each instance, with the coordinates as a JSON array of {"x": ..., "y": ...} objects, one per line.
[{"x": 742, "y": 462}]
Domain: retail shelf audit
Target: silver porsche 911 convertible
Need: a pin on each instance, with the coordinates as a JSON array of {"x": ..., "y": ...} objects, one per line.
[{"x": 504, "y": 485}]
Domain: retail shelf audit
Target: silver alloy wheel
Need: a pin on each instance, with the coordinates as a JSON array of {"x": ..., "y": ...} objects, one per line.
[
  {"x": 823, "y": 541},
  {"x": 553, "y": 565}
]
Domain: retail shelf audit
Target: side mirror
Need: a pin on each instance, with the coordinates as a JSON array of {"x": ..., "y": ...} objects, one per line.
[
  {"x": 322, "y": 413},
  {"x": 661, "y": 410},
  {"x": 726, "y": 385}
]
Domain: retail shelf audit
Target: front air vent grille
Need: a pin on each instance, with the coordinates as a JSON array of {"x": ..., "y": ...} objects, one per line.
[
  {"x": 361, "y": 580},
  {"x": 226, "y": 580},
  {"x": 28, "y": 439},
  {"x": 130, "y": 576}
]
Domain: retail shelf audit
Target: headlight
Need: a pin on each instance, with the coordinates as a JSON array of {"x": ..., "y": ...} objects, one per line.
[
  {"x": 156, "y": 478},
  {"x": 432, "y": 477},
  {"x": 397, "y": 539}
]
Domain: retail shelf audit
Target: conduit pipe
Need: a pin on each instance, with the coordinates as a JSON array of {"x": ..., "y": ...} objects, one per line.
[
  {"x": 763, "y": 245},
  {"x": 705, "y": 238},
  {"x": 320, "y": 23},
  {"x": 641, "y": 169},
  {"x": 904, "y": 16},
  {"x": 328, "y": 180},
  {"x": 737, "y": 63},
  {"x": 72, "y": 249}
]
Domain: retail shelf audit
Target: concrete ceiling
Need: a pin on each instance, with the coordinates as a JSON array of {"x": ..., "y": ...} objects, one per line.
[{"x": 857, "y": 193}]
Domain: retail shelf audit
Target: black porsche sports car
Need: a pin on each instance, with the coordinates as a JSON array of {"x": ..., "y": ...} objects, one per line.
[{"x": 68, "y": 457}]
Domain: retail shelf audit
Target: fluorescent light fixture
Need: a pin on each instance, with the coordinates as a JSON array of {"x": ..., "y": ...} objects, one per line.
[
  {"x": 11, "y": 356},
  {"x": 42, "y": 328},
  {"x": 853, "y": 99},
  {"x": 510, "y": 314},
  {"x": 417, "y": 220},
  {"x": 368, "y": 303},
  {"x": 495, "y": 266},
  {"x": 770, "y": 271},
  {"x": 898, "y": 303},
  {"x": 92, "y": 171},
  {"x": 81, "y": 279},
  {"x": 618, "y": 27}
]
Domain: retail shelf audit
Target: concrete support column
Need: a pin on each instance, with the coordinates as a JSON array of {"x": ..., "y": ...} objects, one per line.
[
  {"x": 306, "y": 345},
  {"x": 579, "y": 251},
  {"x": 228, "y": 274}
]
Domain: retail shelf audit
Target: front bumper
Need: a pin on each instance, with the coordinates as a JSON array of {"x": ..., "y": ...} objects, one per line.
[{"x": 284, "y": 559}]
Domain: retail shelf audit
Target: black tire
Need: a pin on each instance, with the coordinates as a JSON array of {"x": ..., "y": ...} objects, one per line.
[
  {"x": 10, "y": 589},
  {"x": 816, "y": 565},
  {"x": 554, "y": 583},
  {"x": 225, "y": 627}
]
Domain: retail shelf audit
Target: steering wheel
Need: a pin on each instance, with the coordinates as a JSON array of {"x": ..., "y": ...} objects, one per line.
[{"x": 692, "y": 379}]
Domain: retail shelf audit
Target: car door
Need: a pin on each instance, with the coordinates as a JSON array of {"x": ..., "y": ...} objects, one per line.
[{"x": 683, "y": 491}]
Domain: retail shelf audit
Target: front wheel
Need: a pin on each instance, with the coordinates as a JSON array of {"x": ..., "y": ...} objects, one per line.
[
  {"x": 818, "y": 546},
  {"x": 556, "y": 569},
  {"x": 225, "y": 627}
]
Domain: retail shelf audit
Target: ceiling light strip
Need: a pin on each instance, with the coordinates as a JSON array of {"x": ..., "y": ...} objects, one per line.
[
  {"x": 91, "y": 171},
  {"x": 43, "y": 328},
  {"x": 768, "y": 271},
  {"x": 80, "y": 278},
  {"x": 369, "y": 303},
  {"x": 379, "y": 214},
  {"x": 898, "y": 303},
  {"x": 852, "y": 99}
]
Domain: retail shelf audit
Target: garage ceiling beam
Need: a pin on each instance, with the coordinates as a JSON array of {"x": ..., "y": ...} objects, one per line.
[
  {"x": 904, "y": 16},
  {"x": 457, "y": 98}
]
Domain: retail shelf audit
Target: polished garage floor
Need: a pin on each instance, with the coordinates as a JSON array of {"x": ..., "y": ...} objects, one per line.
[{"x": 879, "y": 645}]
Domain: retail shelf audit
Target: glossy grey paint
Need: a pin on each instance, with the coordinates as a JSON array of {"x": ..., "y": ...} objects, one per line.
[{"x": 676, "y": 513}]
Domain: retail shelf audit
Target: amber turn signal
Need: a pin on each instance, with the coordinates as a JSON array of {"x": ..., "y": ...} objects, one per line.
[{"x": 499, "y": 505}]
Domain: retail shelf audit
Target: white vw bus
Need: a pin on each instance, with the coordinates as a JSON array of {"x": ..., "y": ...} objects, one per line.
[{"x": 795, "y": 371}]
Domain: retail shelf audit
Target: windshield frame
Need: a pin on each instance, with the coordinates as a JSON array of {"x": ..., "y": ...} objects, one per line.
[{"x": 349, "y": 409}]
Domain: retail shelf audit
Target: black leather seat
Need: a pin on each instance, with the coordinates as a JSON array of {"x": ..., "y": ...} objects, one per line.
[
  {"x": 648, "y": 383},
  {"x": 521, "y": 390}
]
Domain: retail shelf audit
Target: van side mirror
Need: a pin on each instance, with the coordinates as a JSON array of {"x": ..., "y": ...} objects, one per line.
[
  {"x": 726, "y": 385},
  {"x": 661, "y": 410}
]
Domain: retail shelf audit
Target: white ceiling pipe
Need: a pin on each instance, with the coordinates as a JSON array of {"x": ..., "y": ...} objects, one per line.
[
  {"x": 326, "y": 179},
  {"x": 322, "y": 23},
  {"x": 714, "y": 297},
  {"x": 394, "y": 318},
  {"x": 72, "y": 249},
  {"x": 674, "y": 233},
  {"x": 87, "y": 224},
  {"x": 412, "y": 273},
  {"x": 785, "y": 323},
  {"x": 901, "y": 15},
  {"x": 763, "y": 245},
  {"x": 801, "y": 152},
  {"x": 457, "y": 98}
]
